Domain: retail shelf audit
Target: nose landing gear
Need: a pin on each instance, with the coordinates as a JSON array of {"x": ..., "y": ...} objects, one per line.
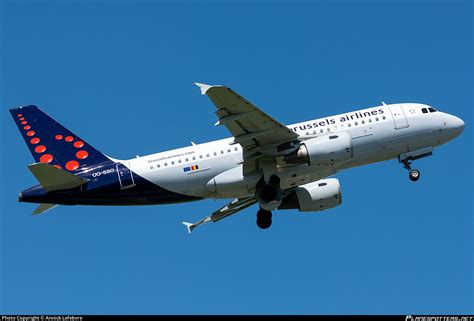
[
  {"x": 413, "y": 174},
  {"x": 264, "y": 218}
]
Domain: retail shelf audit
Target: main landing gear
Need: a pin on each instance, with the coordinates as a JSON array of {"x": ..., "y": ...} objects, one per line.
[
  {"x": 264, "y": 218},
  {"x": 414, "y": 174}
]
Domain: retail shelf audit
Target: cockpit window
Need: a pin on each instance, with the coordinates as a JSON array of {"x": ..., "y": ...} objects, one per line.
[
  {"x": 432, "y": 110},
  {"x": 424, "y": 110}
]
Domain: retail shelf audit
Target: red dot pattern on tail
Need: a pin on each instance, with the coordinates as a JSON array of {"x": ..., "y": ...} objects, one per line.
[
  {"x": 35, "y": 140},
  {"x": 46, "y": 158},
  {"x": 82, "y": 154},
  {"x": 78, "y": 144},
  {"x": 72, "y": 165},
  {"x": 40, "y": 149}
]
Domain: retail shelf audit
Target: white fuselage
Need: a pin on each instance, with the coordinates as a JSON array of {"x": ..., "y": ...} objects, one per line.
[{"x": 378, "y": 133}]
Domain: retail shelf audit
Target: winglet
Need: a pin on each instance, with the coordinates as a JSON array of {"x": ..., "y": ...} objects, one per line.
[
  {"x": 204, "y": 87},
  {"x": 190, "y": 226}
]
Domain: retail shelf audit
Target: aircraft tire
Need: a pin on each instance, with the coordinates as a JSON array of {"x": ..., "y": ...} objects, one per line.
[
  {"x": 414, "y": 175},
  {"x": 264, "y": 219}
]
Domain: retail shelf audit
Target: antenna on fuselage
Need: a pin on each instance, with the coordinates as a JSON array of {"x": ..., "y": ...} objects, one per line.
[
  {"x": 383, "y": 103},
  {"x": 193, "y": 143}
]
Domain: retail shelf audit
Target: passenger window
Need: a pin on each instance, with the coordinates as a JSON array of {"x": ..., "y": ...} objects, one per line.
[
  {"x": 158, "y": 166},
  {"x": 432, "y": 110},
  {"x": 329, "y": 129},
  {"x": 166, "y": 164},
  {"x": 222, "y": 152},
  {"x": 172, "y": 162},
  {"x": 215, "y": 153},
  {"x": 179, "y": 161},
  {"x": 356, "y": 124},
  {"x": 370, "y": 120},
  {"x": 424, "y": 110},
  {"x": 207, "y": 155},
  {"x": 228, "y": 150},
  {"x": 200, "y": 156},
  {"x": 376, "y": 119},
  {"x": 383, "y": 117},
  {"x": 321, "y": 130},
  {"x": 187, "y": 159},
  {"x": 151, "y": 167},
  {"x": 349, "y": 125},
  {"x": 363, "y": 122},
  {"x": 307, "y": 133},
  {"x": 194, "y": 157}
]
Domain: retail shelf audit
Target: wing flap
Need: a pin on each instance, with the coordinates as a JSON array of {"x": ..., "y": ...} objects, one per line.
[{"x": 53, "y": 179}]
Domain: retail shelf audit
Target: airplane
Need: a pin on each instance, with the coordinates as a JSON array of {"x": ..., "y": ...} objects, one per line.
[{"x": 265, "y": 162}]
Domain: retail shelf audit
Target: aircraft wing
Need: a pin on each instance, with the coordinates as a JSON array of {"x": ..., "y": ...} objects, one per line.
[
  {"x": 258, "y": 133},
  {"x": 233, "y": 207}
]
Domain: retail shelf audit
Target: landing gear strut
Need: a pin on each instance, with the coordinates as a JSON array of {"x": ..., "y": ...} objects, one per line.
[
  {"x": 414, "y": 174},
  {"x": 264, "y": 218}
]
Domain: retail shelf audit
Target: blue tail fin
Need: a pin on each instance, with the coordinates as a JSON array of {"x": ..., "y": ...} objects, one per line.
[{"x": 50, "y": 142}]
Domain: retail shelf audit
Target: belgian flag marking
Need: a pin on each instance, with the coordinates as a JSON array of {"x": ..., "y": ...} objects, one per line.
[{"x": 190, "y": 168}]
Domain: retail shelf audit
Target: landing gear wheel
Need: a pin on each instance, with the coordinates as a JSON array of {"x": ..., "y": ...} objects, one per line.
[
  {"x": 414, "y": 175},
  {"x": 264, "y": 219}
]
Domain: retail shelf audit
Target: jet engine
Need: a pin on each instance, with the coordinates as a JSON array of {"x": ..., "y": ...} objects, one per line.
[
  {"x": 323, "y": 151},
  {"x": 317, "y": 196}
]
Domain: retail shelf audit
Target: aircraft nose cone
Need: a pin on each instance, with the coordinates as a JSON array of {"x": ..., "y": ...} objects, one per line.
[
  {"x": 20, "y": 197},
  {"x": 457, "y": 124}
]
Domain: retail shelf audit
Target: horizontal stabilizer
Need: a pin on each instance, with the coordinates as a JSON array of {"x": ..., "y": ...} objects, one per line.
[
  {"x": 54, "y": 179},
  {"x": 44, "y": 208}
]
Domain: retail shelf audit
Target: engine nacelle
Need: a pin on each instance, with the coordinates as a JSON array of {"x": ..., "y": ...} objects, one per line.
[
  {"x": 323, "y": 151},
  {"x": 317, "y": 196}
]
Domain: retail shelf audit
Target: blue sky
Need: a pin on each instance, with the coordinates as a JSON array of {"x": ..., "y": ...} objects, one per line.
[{"x": 120, "y": 74}]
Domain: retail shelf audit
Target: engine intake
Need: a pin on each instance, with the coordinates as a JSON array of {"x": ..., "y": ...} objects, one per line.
[{"x": 323, "y": 151}]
